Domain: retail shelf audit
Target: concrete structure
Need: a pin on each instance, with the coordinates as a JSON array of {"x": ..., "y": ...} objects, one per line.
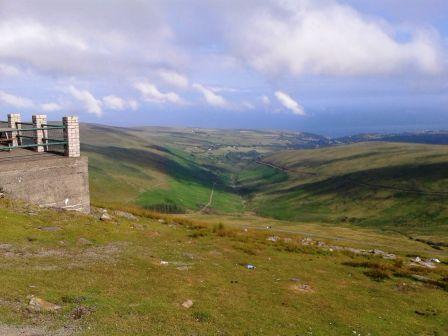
[
  {"x": 13, "y": 119},
  {"x": 48, "y": 181},
  {"x": 42, "y": 177},
  {"x": 71, "y": 135},
  {"x": 40, "y": 134}
]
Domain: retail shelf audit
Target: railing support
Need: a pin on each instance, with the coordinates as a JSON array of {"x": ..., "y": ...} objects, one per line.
[
  {"x": 14, "y": 120},
  {"x": 71, "y": 136},
  {"x": 39, "y": 135}
]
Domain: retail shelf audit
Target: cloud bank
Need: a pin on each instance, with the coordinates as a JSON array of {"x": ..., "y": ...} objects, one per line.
[
  {"x": 329, "y": 38},
  {"x": 225, "y": 55}
]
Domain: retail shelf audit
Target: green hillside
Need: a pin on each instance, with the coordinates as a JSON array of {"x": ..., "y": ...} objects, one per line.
[
  {"x": 176, "y": 169},
  {"x": 395, "y": 186},
  {"x": 128, "y": 167}
]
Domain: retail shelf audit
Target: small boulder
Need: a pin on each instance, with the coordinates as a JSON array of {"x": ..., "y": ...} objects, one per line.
[
  {"x": 187, "y": 304},
  {"x": 38, "y": 304},
  {"x": 105, "y": 217},
  {"x": 126, "y": 215}
]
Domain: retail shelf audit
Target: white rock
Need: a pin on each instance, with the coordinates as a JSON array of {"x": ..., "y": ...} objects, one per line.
[
  {"x": 105, "y": 217},
  {"x": 187, "y": 304}
]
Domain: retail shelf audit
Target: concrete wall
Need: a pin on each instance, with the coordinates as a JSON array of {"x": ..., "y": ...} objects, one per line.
[{"x": 60, "y": 182}]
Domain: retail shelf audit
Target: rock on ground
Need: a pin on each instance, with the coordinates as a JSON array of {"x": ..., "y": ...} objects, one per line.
[
  {"x": 187, "y": 304},
  {"x": 38, "y": 304},
  {"x": 125, "y": 214},
  {"x": 105, "y": 217}
]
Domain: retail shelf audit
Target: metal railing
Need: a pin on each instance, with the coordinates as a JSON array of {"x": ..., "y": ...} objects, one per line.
[{"x": 51, "y": 139}]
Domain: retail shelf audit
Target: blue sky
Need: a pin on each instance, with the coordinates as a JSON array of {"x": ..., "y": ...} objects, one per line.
[{"x": 330, "y": 67}]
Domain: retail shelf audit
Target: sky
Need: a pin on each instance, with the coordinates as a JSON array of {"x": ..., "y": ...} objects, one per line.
[{"x": 333, "y": 67}]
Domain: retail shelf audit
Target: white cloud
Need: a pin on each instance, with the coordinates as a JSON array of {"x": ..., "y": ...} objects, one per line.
[
  {"x": 8, "y": 70},
  {"x": 173, "y": 78},
  {"x": 248, "y": 105},
  {"x": 304, "y": 37},
  {"x": 152, "y": 94},
  {"x": 91, "y": 104},
  {"x": 265, "y": 100},
  {"x": 16, "y": 101},
  {"x": 116, "y": 103},
  {"x": 133, "y": 104},
  {"x": 86, "y": 37},
  {"x": 289, "y": 103},
  {"x": 211, "y": 97},
  {"x": 51, "y": 107}
]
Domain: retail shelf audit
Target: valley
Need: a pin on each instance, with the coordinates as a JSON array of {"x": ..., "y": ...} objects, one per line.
[{"x": 234, "y": 232}]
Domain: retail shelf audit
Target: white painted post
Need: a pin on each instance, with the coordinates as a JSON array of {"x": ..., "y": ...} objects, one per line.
[
  {"x": 71, "y": 136},
  {"x": 39, "y": 135},
  {"x": 14, "y": 118}
]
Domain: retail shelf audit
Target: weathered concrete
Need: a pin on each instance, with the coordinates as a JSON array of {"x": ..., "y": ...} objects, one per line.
[
  {"x": 71, "y": 135},
  {"x": 49, "y": 181},
  {"x": 39, "y": 135},
  {"x": 14, "y": 118}
]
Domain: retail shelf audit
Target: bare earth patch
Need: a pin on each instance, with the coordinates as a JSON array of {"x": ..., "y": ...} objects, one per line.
[
  {"x": 6, "y": 330},
  {"x": 301, "y": 288}
]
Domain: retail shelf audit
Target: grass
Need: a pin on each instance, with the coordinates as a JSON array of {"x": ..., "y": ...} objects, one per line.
[
  {"x": 387, "y": 186},
  {"x": 120, "y": 278},
  {"x": 132, "y": 170},
  {"x": 191, "y": 196},
  {"x": 134, "y": 275}
]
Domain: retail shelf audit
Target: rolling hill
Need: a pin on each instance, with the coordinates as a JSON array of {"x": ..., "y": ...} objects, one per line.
[
  {"x": 394, "y": 186},
  {"x": 176, "y": 169},
  {"x": 388, "y": 185},
  {"x": 258, "y": 235}
]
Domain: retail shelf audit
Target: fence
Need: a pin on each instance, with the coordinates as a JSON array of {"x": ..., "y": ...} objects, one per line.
[{"x": 40, "y": 136}]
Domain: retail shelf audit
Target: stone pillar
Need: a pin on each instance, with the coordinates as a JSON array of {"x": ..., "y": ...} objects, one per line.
[
  {"x": 12, "y": 119},
  {"x": 71, "y": 135},
  {"x": 40, "y": 135}
]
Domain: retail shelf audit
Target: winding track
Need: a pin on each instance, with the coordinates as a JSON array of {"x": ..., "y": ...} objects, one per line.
[{"x": 210, "y": 200}]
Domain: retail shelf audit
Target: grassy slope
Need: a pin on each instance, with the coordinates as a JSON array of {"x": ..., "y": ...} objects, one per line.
[
  {"x": 120, "y": 277},
  {"x": 175, "y": 169},
  {"x": 127, "y": 166},
  {"x": 353, "y": 184}
]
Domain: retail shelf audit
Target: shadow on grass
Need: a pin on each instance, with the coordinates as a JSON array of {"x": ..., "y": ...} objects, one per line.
[
  {"x": 188, "y": 172},
  {"x": 406, "y": 180}
]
